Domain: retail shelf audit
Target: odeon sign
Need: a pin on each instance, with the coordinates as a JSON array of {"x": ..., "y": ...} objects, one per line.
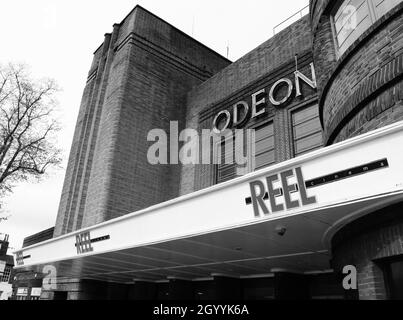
[{"x": 242, "y": 111}]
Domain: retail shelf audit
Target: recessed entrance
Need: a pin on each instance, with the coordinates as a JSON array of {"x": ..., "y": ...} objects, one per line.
[{"x": 394, "y": 278}]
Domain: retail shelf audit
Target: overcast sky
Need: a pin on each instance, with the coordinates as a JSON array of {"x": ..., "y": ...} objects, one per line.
[{"x": 57, "y": 39}]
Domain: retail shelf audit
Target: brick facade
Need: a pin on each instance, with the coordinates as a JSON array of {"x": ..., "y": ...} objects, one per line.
[
  {"x": 363, "y": 83},
  {"x": 144, "y": 75},
  {"x": 147, "y": 73},
  {"x": 271, "y": 61},
  {"x": 138, "y": 81},
  {"x": 365, "y": 243},
  {"x": 360, "y": 91}
]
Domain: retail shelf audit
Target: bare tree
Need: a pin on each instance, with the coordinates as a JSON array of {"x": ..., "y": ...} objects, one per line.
[{"x": 27, "y": 127}]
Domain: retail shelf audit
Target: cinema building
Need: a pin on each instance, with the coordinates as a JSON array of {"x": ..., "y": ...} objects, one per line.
[{"x": 324, "y": 97}]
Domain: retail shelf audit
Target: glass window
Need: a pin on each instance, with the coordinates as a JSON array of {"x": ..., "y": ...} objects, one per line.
[
  {"x": 5, "y": 277},
  {"x": 227, "y": 170},
  {"x": 354, "y": 17},
  {"x": 264, "y": 146},
  {"x": 307, "y": 131},
  {"x": 264, "y": 154},
  {"x": 383, "y": 6}
]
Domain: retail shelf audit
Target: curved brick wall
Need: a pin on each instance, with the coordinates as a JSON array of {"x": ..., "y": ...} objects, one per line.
[
  {"x": 323, "y": 43},
  {"x": 362, "y": 90},
  {"x": 364, "y": 243}
]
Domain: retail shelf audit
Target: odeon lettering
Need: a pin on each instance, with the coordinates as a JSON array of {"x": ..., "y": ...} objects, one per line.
[
  {"x": 294, "y": 194},
  {"x": 242, "y": 111}
]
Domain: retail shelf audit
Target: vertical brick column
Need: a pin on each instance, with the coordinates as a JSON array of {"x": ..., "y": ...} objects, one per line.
[{"x": 371, "y": 282}]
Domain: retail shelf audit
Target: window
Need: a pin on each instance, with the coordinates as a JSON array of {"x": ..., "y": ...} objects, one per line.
[
  {"x": 354, "y": 17},
  {"x": 264, "y": 153},
  {"x": 5, "y": 277},
  {"x": 307, "y": 131},
  {"x": 383, "y": 6},
  {"x": 22, "y": 294},
  {"x": 264, "y": 146},
  {"x": 226, "y": 170}
]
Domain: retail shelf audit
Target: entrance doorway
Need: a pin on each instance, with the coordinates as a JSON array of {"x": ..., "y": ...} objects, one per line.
[{"x": 394, "y": 278}]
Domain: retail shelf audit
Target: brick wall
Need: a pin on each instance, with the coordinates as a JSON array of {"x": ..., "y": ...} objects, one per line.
[
  {"x": 385, "y": 109},
  {"x": 364, "y": 243},
  {"x": 269, "y": 62},
  {"x": 363, "y": 84},
  {"x": 78, "y": 151},
  {"x": 323, "y": 41}
]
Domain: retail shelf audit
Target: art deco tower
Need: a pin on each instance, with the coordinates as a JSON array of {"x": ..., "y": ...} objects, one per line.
[{"x": 138, "y": 81}]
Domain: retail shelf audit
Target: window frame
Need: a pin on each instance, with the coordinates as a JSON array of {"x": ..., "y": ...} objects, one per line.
[
  {"x": 266, "y": 122},
  {"x": 291, "y": 127},
  {"x": 385, "y": 265},
  {"x": 6, "y": 272},
  {"x": 262, "y": 124},
  {"x": 373, "y": 15}
]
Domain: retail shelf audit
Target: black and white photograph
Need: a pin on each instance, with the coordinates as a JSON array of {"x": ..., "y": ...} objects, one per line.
[{"x": 179, "y": 152}]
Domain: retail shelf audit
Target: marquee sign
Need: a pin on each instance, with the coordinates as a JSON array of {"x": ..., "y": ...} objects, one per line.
[
  {"x": 330, "y": 185},
  {"x": 241, "y": 112},
  {"x": 259, "y": 195},
  {"x": 2, "y": 266}
]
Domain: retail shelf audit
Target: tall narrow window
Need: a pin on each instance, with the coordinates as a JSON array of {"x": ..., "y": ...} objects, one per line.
[
  {"x": 226, "y": 171},
  {"x": 264, "y": 154},
  {"x": 264, "y": 146},
  {"x": 354, "y": 17},
  {"x": 307, "y": 131},
  {"x": 383, "y": 6}
]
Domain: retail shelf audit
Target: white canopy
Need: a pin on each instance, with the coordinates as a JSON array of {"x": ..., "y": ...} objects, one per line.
[{"x": 225, "y": 230}]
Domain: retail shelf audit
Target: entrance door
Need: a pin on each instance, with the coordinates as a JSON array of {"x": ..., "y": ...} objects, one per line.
[{"x": 394, "y": 278}]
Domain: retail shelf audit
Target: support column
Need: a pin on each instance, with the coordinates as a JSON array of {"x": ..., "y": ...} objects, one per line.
[{"x": 368, "y": 244}]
